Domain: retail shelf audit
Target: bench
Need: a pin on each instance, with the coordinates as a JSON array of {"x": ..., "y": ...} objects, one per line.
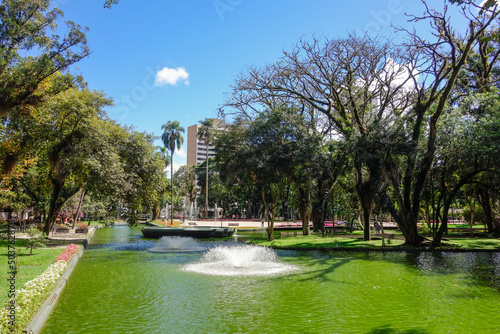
[
  {"x": 233, "y": 224},
  {"x": 81, "y": 230},
  {"x": 192, "y": 224},
  {"x": 62, "y": 230},
  {"x": 338, "y": 230}
]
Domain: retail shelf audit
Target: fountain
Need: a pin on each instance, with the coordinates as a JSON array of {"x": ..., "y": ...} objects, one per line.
[
  {"x": 240, "y": 260},
  {"x": 191, "y": 217},
  {"x": 176, "y": 244}
]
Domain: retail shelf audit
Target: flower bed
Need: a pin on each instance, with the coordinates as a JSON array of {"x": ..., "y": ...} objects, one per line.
[
  {"x": 68, "y": 253},
  {"x": 29, "y": 299}
]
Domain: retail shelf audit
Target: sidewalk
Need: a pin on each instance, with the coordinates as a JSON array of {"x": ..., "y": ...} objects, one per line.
[
  {"x": 258, "y": 224},
  {"x": 223, "y": 223},
  {"x": 68, "y": 237}
]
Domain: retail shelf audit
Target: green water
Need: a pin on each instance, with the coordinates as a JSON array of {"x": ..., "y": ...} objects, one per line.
[{"x": 119, "y": 287}]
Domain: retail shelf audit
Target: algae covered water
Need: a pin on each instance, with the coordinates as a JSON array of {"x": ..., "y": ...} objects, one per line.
[{"x": 120, "y": 287}]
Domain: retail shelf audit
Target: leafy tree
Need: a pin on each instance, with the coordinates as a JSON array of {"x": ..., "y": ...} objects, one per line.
[
  {"x": 172, "y": 139},
  {"x": 31, "y": 69},
  {"x": 185, "y": 178},
  {"x": 67, "y": 148},
  {"x": 144, "y": 180},
  {"x": 373, "y": 100},
  {"x": 264, "y": 152},
  {"x": 466, "y": 152},
  {"x": 36, "y": 238}
]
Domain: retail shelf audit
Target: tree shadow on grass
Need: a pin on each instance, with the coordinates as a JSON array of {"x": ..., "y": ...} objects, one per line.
[
  {"x": 390, "y": 330},
  {"x": 325, "y": 267}
]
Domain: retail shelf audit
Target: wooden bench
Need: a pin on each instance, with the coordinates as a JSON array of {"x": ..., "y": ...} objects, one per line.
[
  {"x": 192, "y": 224},
  {"x": 233, "y": 224}
]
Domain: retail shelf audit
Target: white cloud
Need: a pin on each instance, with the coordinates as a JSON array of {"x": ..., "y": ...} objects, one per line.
[
  {"x": 181, "y": 153},
  {"x": 495, "y": 3},
  {"x": 171, "y": 76},
  {"x": 482, "y": 3},
  {"x": 176, "y": 168}
]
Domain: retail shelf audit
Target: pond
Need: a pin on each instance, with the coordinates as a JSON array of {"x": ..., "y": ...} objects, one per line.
[{"x": 119, "y": 286}]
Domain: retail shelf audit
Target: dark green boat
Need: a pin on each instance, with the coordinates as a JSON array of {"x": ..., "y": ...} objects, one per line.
[{"x": 193, "y": 232}]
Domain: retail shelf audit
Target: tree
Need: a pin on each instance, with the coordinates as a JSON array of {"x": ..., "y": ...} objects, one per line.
[
  {"x": 31, "y": 67},
  {"x": 351, "y": 85},
  {"x": 36, "y": 238},
  {"x": 441, "y": 63},
  {"x": 265, "y": 152},
  {"x": 466, "y": 155},
  {"x": 185, "y": 178},
  {"x": 383, "y": 100},
  {"x": 206, "y": 133},
  {"x": 67, "y": 147},
  {"x": 144, "y": 180},
  {"x": 172, "y": 139}
]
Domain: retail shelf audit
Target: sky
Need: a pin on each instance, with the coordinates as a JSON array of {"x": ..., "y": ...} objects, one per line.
[{"x": 164, "y": 60}]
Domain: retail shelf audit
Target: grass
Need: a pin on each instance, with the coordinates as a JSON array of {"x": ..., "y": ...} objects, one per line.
[
  {"x": 355, "y": 241},
  {"x": 29, "y": 266},
  {"x": 473, "y": 243},
  {"x": 162, "y": 222},
  {"x": 329, "y": 242}
]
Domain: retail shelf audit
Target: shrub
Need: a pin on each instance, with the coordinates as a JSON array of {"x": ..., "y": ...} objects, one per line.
[{"x": 37, "y": 239}]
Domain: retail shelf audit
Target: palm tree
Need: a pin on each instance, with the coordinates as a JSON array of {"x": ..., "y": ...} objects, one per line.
[
  {"x": 172, "y": 138},
  {"x": 206, "y": 133},
  {"x": 167, "y": 160},
  {"x": 164, "y": 155}
]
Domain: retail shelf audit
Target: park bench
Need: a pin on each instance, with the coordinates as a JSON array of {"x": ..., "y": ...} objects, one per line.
[
  {"x": 81, "y": 230},
  {"x": 192, "y": 224},
  {"x": 233, "y": 224},
  {"x": 338, "y": 230},
  {"x": 62, "y": 230}
]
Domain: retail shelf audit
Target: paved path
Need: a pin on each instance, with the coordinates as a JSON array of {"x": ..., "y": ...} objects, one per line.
[{"x": 223, "y": 223}]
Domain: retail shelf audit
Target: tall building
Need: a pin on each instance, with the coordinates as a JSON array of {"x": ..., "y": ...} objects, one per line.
[{"x": 196, "y": 148}]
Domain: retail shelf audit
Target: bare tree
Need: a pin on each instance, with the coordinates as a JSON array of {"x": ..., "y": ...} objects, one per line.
[
  {"x": 354, "y": 82},
  {"x": 382, "y": 100}
]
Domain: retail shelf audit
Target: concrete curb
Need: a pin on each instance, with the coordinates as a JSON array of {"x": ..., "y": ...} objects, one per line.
[{"x": 39, "y": 319}]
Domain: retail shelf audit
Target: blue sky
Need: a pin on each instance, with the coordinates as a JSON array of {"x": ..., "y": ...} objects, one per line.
[{"x": 164, "y": 60}]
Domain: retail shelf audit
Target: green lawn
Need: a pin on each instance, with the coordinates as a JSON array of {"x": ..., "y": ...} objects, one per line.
[
  {"x": 355, "y": 240},
  {"x": 30, "y": 266},
  {"x": 317, "y": 241},
  {"x": 473, "y": 243}
]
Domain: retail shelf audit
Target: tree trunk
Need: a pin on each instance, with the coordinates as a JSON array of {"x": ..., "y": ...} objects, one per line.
[
  {"x": 75, "y": 216},
  {"x": 270, "y": 227},
  {"x": 53, "y": 209},
  {"x": 365, "y": 195},
  {"x": 155, "y": 210},
  {"x": 438, "y": 237},
  {"x": 172, "y": 189},
  {"x": 304, "y": 210},
  {"x": 275, "y": 193},
  {"x": 206, "y": 181},
  {"x": 484, "y": 199}
]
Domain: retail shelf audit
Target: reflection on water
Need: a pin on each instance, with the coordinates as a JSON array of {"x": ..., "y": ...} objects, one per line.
[
  {"x": 120, "y": 287},
  {"x": 177, "y": 244}
]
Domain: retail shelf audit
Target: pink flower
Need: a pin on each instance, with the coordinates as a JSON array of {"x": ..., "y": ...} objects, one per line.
[{"x": 67, "y": 254}]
